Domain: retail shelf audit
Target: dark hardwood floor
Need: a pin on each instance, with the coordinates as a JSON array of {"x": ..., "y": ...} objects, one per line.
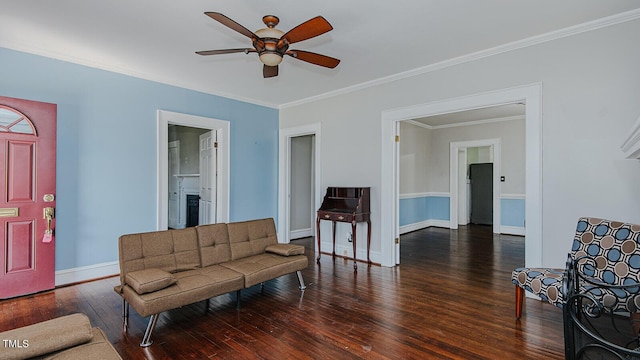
[{"x": 451, "y": 298}]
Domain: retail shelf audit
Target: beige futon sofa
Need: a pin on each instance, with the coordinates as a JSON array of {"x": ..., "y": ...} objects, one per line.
[
  {"x": 164, "y": 270},
  {"x": 66, "y": 337}
]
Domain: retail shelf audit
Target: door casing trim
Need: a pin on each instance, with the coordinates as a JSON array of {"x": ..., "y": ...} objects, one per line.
[{"x": 222, "y": 127}]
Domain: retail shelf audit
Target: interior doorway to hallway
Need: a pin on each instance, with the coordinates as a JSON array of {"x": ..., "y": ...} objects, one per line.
[
  {"x": 299, "y": 145},
  {"x": 302, "y": 187},
  {"x": 219, "y": 165},
  {"x": 190, "y": 186},
  {"x": 531, "y": 97}
]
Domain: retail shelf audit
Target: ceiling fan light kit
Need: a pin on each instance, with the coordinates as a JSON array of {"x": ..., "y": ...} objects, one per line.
[{"x": 272, "y": 44}]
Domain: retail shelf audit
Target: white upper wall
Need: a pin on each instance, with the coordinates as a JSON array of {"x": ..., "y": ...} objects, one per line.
[
  {"x": 590, "y": 90},
  {"x": 512, "y": 137},
  {"x": 424, "y": 155},
  {"x": 414, "y": 159}
]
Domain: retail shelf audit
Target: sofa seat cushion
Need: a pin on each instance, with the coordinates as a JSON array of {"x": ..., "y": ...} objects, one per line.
[
  {"x": 48, "y": 336},
  {"x": 99, "y": 348},
  {"x": 191, "y": 286},
  {"x": 260, "y": 268},
  {"x": 285, "y": 249},
  {"x": 149, "y": 280}
]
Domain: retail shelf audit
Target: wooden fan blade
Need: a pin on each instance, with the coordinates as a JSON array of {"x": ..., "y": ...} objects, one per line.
[
  {"x": 224, "y": 51},
  {"x": 269, "y": 71},
  {"x": 314, "y": 58},
  {"x": 231, "y": 24},
  {"x": 308, "y": 29}
]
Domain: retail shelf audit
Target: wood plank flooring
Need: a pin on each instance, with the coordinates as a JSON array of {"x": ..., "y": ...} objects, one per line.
[{"x": 451, "y": 298}]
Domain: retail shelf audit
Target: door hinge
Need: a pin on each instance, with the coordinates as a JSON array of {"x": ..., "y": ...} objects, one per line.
[
  {"x": 215, "y": 144},
  {"x": 397, "y": 138},
  {"x": 397, "y": 241}
]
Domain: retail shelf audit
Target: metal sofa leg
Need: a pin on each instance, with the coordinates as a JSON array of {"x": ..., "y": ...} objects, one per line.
[
  {"x": 125, "y": 315},
  {"x": 301, "y": 280},
  {"x": 238, "y": 299},
  {"x": 146, "y": 339}
]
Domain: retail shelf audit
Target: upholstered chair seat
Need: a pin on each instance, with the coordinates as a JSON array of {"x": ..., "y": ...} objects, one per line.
[
  {"x": 546, "y": 283},
  {"x": 605, "y": 251}
]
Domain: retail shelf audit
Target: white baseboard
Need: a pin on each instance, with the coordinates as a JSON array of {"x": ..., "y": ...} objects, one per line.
[
  {"x": 84, "y": 273},
  {"x": 297, "y": 234},
  {"x": 512, "y": 230},
  {"x": 424, "y": 224},
  {"x": 341, "y": 249}
]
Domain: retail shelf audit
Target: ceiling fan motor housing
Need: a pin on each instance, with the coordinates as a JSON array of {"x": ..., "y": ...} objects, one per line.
[{"x": 268, "y": 44}]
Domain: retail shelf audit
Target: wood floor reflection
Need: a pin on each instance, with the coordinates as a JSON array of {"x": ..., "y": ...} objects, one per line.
[{"x": 450, "y": 298}]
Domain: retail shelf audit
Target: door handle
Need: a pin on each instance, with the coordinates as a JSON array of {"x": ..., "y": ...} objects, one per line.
[{"x": 48, "y": 214}]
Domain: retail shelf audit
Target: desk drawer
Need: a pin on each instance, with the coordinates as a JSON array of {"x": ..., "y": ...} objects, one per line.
[{"x": 335, "y": 216}]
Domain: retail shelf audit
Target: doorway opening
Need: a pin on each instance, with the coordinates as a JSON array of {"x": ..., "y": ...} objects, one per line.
[
  {"x": 188, "y": 177},
  {"x": 302, "y": 187},
  {"x": 299, "y": 194},
  {"x": 465, "y": 157},
  {"x": 530, "y": 96},
  {"x": 213, "y": 170}
]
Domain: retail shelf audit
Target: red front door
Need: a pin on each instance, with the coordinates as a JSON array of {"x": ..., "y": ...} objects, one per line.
[{"x": 28, "y": 184}]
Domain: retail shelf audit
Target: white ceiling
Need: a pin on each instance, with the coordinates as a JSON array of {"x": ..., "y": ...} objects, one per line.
[{"x": 376, "y": 40}]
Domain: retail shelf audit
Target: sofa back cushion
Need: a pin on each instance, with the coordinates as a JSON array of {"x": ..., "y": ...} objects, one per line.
[
  {"x": 168, "y": 250},
  {"x": 249, "y": 238},
  {"x": 213, "y": 240}
]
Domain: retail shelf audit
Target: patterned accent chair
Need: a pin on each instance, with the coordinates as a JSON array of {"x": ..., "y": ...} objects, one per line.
[{"x": 609, "y": 251}]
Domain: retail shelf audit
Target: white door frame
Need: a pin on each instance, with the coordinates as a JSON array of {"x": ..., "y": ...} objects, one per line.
[
  {"x": 455, "y": 146},
  {"x": 531, "y": 95},
  {"x": 174, "y": 144},
  {"x": 222, "y": 128},
  {"x": 284, "y": 175},
  {"x": 463, "y": 192}
]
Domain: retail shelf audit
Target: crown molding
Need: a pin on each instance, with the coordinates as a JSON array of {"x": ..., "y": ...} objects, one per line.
[
  {"x": 534, "y": 40},
  {"x": 467, "y": 123},
  {"x": 550, "y": 36}
]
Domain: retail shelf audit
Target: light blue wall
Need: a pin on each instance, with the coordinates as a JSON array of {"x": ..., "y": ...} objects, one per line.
[
  {"x": 106, "y": 152},
  {"x": 418, "y": 209},
  {"x": 415, "y": 210},
  {"x": 512, "y": 212}
]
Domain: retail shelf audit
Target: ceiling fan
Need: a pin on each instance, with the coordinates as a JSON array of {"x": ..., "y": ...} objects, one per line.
[{"x": 272, "y": 44}]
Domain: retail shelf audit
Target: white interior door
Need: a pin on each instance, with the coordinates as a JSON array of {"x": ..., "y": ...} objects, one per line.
[
  {"x": 208, "y": 180},
  {"x": 174, "y": 169}
]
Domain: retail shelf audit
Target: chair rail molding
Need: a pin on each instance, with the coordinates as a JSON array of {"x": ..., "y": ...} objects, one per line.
[{"x": 631, "y": 145}]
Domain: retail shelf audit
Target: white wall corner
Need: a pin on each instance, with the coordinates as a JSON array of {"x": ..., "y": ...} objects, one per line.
[{"x": 631, "y": 146}]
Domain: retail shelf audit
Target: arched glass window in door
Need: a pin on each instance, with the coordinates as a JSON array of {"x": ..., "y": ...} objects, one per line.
[{"x": 13, "y": 121}]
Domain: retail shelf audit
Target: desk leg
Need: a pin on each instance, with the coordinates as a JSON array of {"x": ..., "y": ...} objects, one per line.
[
  {"x": 333, "y": 250},
  {"x": 368, "y": 241},
  {"x": 353, "y": 237},
  {"x": 318, "y": 236}
]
